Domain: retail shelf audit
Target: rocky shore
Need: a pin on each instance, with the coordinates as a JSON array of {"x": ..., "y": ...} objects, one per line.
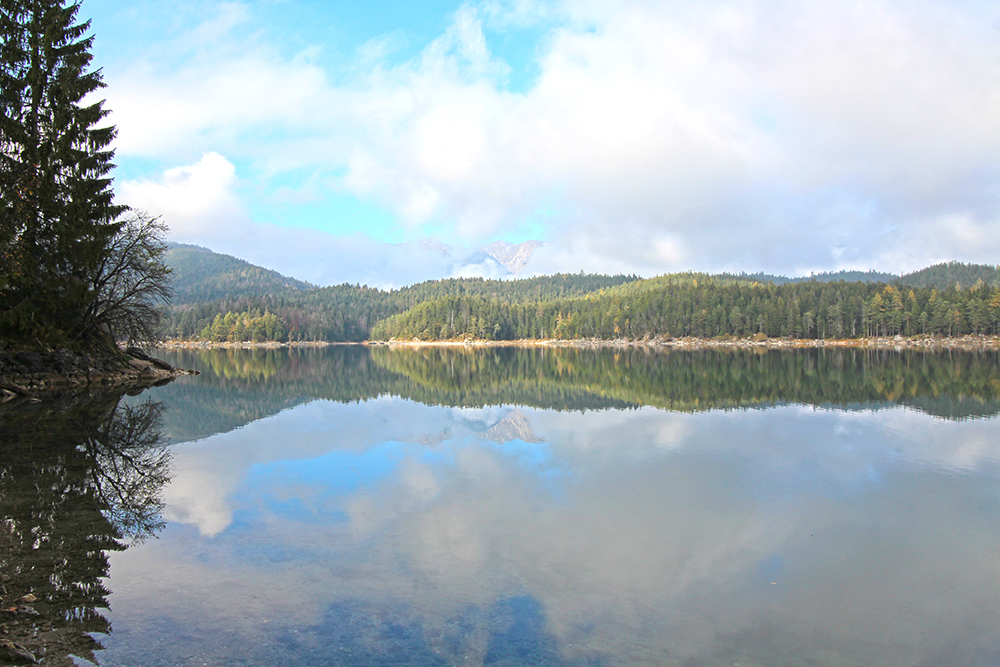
[
  {"x": 929, "y": 343},
  {"x": 922, "y": 342},
  {"x": 173, "y": 344},
  {"x": 32, "y": 373}
]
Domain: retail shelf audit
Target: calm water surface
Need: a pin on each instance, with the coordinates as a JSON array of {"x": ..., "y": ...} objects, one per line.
[{"x": 357, "y": 506}]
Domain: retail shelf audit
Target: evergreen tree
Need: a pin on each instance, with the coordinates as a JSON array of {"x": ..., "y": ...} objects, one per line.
[{"x": 57, "y": 214}]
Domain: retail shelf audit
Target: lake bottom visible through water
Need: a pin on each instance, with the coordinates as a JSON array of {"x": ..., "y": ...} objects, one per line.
[{"x": 340, "y": 507}]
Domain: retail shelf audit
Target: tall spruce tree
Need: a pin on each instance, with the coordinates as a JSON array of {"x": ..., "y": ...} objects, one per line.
[{"x": 57, "y": 214}]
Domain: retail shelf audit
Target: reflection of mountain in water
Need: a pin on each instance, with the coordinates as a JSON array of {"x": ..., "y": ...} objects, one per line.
[
  {"x": 78, "y": 478},
  {"x": 514, "y": 426},
  {"x": 240, "y": 386}
]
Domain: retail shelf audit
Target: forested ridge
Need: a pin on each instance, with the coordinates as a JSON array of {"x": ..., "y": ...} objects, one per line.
[
  {"x": 349, "y": 312},
  {"x": 947, "y": 299},
  {"x": 706, "y": 307},
  {"x": 210, "y": 276}
]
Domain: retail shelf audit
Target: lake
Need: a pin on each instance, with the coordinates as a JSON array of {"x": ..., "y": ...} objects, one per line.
[{"x": 510, "y": 506}]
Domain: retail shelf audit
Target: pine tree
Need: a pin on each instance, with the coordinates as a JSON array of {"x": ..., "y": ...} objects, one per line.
[{"x": 57, "y": 214}]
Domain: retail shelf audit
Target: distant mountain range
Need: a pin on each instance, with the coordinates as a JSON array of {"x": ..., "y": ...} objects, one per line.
[
  {"x": 513, "y": 257},
  {"x": 201, "y": 275},
  {"x": 940, "y": 276},
  {"x": 497, "y": 260},
  {"x": 224, "y": 298}
]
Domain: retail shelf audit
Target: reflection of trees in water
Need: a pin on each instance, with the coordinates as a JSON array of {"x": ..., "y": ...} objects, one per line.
[
  {"x": 132, "y": 467},
  {"x": 951, "y": 384},
  {"x": 78, "y": 478},
  {"x": 241, "y": 386}
]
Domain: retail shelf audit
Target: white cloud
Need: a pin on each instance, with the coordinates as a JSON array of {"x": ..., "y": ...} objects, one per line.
[
  {"x": 196, "y": 201},
  {"x": 728, "y": 135},
  {"x": 200, "y": 204}
]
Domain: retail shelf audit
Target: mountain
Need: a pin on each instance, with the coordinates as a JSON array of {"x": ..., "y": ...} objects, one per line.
[
  {"x": 495, "y": 260},
  {"x": 850, "y": 276},
  {"x": 480, "y": 264},
  {"x": 939, "y": 276},
  {"x": 948, "y": 274},
  {"x": 869, "y": 276},
  {"x": 202, "y": 275},
  {"x": 514, "y": 257}
]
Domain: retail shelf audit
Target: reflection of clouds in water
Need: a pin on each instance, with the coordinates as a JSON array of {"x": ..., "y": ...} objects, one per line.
[
  {"x": 206, "y": 473},
  {"x": 197, "y": 494},
  {"x": 666, "y": 533}
]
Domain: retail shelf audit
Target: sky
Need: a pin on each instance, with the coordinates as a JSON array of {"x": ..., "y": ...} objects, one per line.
[{"x": 332, "y": 140}]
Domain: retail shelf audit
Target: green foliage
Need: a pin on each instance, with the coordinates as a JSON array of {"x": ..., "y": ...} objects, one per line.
[
  {"x": 56, "y": 210},
  {"x": 870, "y": 276},
  {"x": 201, "y": 275},
  {"x": 705, "y": 307},
  {"x": 248, "y": 326},
  {"x": 348, "y": 312},
  {"x": 573, "y": 306},
  {"x": 952, "y": 274}
]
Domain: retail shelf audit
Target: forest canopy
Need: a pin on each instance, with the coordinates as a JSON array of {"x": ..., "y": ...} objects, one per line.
[{"x": 580, "y": 306}]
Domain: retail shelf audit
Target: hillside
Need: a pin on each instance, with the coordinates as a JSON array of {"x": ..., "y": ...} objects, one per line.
[
  {"x": 224, "y": 298},
  {"x": 348, "y": 312},
  {"x": 870, "y": 276},
  {"x": 201, "y": 275},
  {"x": 950, "y": 274},
  {"x": 939, "y": 276}
]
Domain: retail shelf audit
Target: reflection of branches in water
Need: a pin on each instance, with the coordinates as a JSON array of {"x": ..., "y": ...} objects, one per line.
[
  {"x": 132, "y": 468},
  {"x": 77, "y": 478}
]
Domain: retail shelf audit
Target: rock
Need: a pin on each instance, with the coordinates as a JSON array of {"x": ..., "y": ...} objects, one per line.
[
  {"x": 64, "y": 361},
  {"x": 14, "y": 388},
  {"x": 16, "y": 654},
  {"x": 32, "y": 362},
  {"x": 160, "y": 363},
  {"x": 137, "y": 353}
]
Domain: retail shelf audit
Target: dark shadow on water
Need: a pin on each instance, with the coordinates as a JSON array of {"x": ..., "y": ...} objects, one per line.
[{"x": 79, "y": 477}]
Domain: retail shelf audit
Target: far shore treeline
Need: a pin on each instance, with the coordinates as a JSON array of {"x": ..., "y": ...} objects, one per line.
[{"x": 944, "y": 300}]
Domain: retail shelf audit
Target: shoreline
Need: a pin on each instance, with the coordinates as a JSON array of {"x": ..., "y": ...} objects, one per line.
[
  {"x": 31, "y": 375},
  {"x": 921, "y": 342}
]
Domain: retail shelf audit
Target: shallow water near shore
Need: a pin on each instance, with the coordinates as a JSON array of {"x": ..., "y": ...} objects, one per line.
[{"x": 370, "y": 506}]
